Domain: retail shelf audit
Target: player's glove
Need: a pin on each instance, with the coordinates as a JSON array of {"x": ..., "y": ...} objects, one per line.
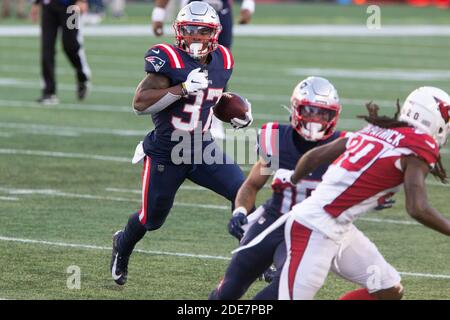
[
  {"x": 239, "y": 123},
  {"x": 282, "y": 180},
  {"x": 195, "y": 81},
  {"x": 268, "y": 275},
  {"x": 237, "y": 221},
  {"x": 384, "y": 204}
]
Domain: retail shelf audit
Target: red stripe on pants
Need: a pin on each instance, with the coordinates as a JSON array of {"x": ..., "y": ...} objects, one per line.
[
  {"x": 300, "y": 236},
  {"x": 145, "y": 187}
]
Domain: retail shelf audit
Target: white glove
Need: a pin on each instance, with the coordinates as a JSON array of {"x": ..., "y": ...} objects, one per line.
[
  {"x": 282, "y": 180},
  {"x": 196, "y": 81},
  {"x": 239, "y": 123}
]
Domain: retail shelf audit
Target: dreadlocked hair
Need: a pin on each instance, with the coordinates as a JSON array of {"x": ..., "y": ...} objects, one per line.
[
  {"x": 383, "y": 121},
  {"x": 387, "y": 123}
]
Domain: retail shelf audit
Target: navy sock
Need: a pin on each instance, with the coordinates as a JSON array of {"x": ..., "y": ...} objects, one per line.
[{"x": 133, "y": 233}]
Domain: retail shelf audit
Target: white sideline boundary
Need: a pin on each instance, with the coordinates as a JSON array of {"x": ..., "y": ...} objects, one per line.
[
  {"x": 321, "y": 30},
  {"x": 175, "y": 254}
]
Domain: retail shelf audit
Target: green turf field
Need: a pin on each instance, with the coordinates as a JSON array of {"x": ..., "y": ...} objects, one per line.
[{"x": 61, "y": 202}]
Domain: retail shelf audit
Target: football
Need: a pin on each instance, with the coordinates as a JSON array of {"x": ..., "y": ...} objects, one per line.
[{"x": 229, "y": 106}]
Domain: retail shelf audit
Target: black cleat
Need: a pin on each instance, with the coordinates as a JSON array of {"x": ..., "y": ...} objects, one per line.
[
  {"x": 48, "y": 100},
  {"x": 82, "y": 90},
  {"x": 119, "y": 264}
]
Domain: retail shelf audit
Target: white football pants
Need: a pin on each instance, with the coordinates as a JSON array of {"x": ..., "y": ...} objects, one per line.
[{"x": 311, "y": 255}]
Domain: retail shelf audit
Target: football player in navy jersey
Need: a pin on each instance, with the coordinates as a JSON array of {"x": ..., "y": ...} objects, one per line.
[
  {"x": 182, "y": 85},
  {"x": 224, "y": 10},
  {"x": 315, "y": 110}
]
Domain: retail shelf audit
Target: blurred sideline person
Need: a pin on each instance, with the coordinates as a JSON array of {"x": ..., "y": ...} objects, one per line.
[
  {"x": 368, "y": 166},
  {"x": 55, "y": 18},
  {"x": 117, "y": 8},
  {"x": 97, "y": 10},
  {"x": 183, "y": 83},
  {"x": 20, "y": 9},
  {"x": 224, "y": 9},
  {"x": 315, "y": 110}
]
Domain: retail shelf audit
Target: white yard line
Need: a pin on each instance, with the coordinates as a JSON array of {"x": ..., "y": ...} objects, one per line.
[
  {"x": 57, "y": 193},
  {"x": 9, "y": 198},
  {"x": 183, "y": 187},
  {"x": 254, "y": 30},
  {"x": 69, "y": 155},
  {"x": 426, "y": 275},
  {"x": 34, "y": 128},
  {"x": 391, "y": 74},
  {"x": 176, "y": 254},
  {"x": 28, "y": 84},
  {"x": 94, "y": 247},
  {"x": 390, "y": 221}
]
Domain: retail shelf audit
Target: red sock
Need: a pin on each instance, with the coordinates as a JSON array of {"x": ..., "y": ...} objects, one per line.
[{"x": 359, "y": 294}]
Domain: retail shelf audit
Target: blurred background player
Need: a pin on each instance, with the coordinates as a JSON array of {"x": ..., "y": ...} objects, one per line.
[
  {"x": 54, "y": 17},
  {"x": 117, "y": 8},
  {"x": 182, "y": 85},
  {"x": 224, "y": 9},
  {"x": 20, "y": 9},
  {"x": 369, "y": 165},
  {"x": 315, "y": 110},
  {"x": 97, "y": 10}
]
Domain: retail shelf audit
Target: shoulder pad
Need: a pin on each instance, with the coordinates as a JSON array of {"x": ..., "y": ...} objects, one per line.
[
  {"x": 227, "y": 57},
  {"x": 268, "y": 139},
  {"x": 162, "y": 54},
  {"x": 421, "y": 144}
]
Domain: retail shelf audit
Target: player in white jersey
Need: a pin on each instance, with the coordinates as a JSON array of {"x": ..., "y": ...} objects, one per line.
[{"x": 368, "y": 167}]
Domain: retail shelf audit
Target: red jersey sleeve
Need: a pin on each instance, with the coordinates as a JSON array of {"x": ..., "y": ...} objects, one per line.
[{"x": 421, "y": 144}]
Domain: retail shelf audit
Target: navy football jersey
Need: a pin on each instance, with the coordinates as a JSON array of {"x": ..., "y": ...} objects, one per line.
[
  {"x": 283, "y": 143},
  {"x": 188, "y": 114}
]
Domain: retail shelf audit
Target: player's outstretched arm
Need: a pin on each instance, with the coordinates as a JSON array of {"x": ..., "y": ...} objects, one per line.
[
  {"x": 247, "y": 10},
  {"x": 245, "y": 199},
  {"x": 153, "y": 94},
  {"x": 158, "y": 16},
  {"x": 417, "y": 205},
  {"x": 255, "y": 181},
  {"x": 316, "y": 157}
]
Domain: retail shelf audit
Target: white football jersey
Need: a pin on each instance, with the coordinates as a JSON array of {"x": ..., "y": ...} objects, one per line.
[{"x": 367, "y": 173}]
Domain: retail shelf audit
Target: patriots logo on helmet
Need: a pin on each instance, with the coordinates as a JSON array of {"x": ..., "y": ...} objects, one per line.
[{"x": 157, "y": 62}]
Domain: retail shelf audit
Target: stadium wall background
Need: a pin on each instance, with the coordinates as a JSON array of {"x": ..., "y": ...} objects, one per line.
[{"x": 417, "y": 3}]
